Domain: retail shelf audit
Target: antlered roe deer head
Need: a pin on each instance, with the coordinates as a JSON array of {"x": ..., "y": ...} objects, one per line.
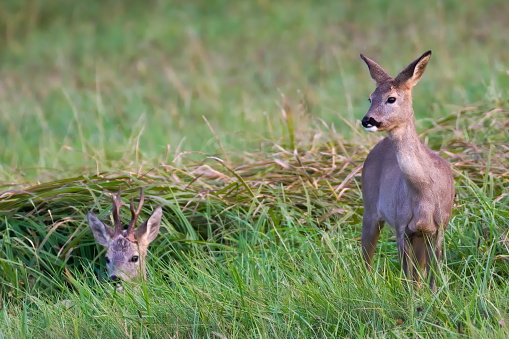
[{"x": 126, "y": 249}]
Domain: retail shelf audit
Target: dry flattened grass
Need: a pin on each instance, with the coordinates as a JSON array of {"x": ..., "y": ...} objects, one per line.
[
  {"x": 474, "y": 142},
  {"x": 45, "y": 225}
]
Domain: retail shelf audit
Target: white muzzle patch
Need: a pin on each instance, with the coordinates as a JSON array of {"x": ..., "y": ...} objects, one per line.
[{"x": 371, "y": 128}]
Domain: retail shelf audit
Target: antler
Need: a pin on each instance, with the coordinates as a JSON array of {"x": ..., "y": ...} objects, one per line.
[
  {"x": 117, "y": 203},
  {"x": 134, "y": 216}
]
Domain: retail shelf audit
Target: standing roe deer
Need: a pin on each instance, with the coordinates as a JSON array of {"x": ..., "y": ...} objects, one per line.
[
  {"x": 126, "y": 249},
  {"x": 404, "y": 183}
]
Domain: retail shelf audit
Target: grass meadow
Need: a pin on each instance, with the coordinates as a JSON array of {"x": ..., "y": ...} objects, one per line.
[{"x": 241, "y": 118}]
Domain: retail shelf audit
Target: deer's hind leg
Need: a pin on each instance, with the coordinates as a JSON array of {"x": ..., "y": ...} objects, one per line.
[
  {"x": 421, "y": 255},
  {"x": 434, "y": 257},
  {"x": 412, "y": 252},
  {"x": 403, "y": 241},
  {"x": 420, "y": 262}
]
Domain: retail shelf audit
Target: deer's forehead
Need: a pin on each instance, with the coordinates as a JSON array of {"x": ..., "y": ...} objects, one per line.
[
  {"x": 122, "y": 245},
  {"x": 386, "y": 87}
]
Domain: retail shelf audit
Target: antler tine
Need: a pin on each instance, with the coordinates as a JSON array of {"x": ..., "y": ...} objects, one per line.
[
  {"x": 117, "y": 203},
  {"x": 134, "y": 216}
]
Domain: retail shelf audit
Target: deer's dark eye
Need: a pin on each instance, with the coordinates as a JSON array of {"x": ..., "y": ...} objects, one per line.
[
  {"x": 391, "y": 100},
  {"x": 107, "y": 260},
  {"x": 134, "y": 258}
]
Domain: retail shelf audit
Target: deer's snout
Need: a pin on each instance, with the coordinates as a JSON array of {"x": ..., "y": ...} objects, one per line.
[
  {"x": 117, "y": 282},
  {"x": 370, "y": 124}
]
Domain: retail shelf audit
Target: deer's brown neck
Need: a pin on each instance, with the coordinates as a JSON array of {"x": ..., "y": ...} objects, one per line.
[{"x": 414, "y": 159}]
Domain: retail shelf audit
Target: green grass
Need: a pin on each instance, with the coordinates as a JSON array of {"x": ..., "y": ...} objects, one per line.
[{"x": 241, "y": 120}]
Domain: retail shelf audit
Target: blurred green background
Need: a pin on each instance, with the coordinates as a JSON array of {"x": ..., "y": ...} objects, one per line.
[
  {"x": 98, "y": 85},
  {"x": 97, "y": 93}
]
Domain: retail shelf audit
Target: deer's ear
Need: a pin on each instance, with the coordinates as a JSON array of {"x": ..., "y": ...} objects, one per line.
[
  {"x": 148, "y": 231},
  {"x": 411, "y": 75},
  {"x": 102, "y": 233},
  {"x": 376, "y": 71}
]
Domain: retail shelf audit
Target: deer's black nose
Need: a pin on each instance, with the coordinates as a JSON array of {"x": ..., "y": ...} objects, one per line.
[
  {"x": 114, "y": 278},
  {"x": 370, "y": 122}
]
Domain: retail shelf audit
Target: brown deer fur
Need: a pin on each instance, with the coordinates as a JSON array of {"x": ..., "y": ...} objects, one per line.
[{"x": 404, "y": 183}]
